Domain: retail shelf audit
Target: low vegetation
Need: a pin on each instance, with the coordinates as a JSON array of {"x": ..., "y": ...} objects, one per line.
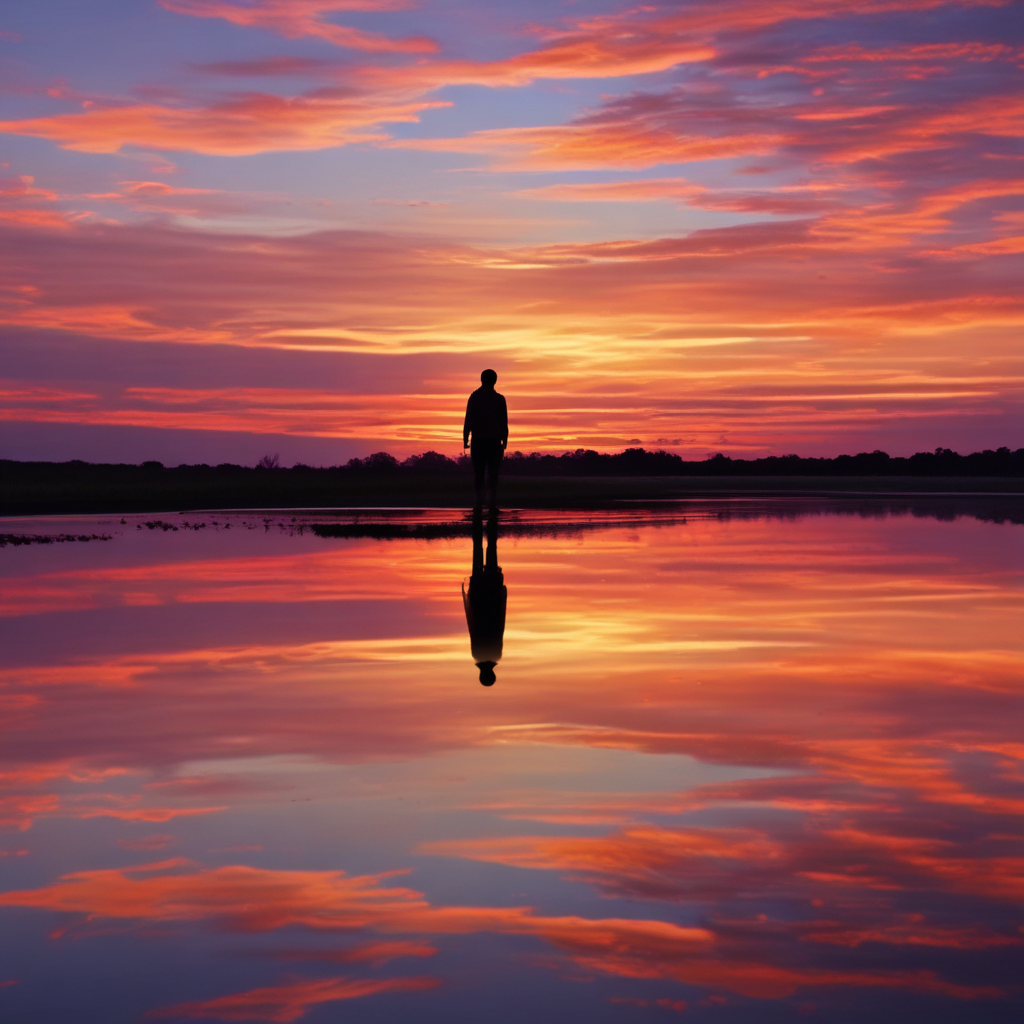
[{"x": 432, "y": 479}]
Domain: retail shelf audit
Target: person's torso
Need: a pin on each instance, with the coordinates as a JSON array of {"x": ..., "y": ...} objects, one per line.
[{"x": 488, "y": 416}]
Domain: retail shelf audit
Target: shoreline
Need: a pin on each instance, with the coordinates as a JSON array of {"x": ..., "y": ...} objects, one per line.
[
  {"x": 447, "y": 522},
  {"x": 404, "y": 493}
]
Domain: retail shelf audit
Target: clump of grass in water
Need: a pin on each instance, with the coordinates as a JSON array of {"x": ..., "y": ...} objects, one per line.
[{"x": 18, "y": 539}]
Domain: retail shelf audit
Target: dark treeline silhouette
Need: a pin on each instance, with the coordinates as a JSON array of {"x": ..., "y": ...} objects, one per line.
[
  {"x": 585, "y": 462},
  {"x": 432, "y": 479},
  {"x": 640, "y": 462}
]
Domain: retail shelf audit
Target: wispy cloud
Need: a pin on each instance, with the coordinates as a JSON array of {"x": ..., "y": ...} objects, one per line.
[
  {"x": 238, "y": 126},
  {"x": 280, "y": 1004},
  {"x": 294, "y": 19}
]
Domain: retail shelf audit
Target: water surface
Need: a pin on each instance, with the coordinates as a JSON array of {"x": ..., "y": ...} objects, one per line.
[{"x": 744, "y": 761}]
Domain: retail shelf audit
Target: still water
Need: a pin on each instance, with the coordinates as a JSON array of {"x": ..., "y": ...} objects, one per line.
[{"x": 742, "y": 761}]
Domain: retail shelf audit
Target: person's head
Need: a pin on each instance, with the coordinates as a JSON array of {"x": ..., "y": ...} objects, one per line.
[
  {"x": 487, "y": 676},
  {"x": 488, "y": 378}
]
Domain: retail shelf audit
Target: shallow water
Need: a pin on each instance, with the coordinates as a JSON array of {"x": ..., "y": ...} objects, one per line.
[{"x": 743, "y": 760}]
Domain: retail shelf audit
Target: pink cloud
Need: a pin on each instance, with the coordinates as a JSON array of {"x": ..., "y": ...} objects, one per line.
[
  {"x": 618, "y": 146},
  {"x": 249, "y": 899},
  {"x": 280, "y": 1004},
  {"x": 22, "y": 204},
  {"x": 375, "y": 953},
  {"x": 971, "y": 51},
  {"x": 295, "y": 19},
  {"x": 20, "y": 811},
  {"x": 644, "y": 130},
  {"x": 260, "y": 900},
  {"x": 786, "y": 200},
  {"x": 913, "y": 930},
  {"x": 147, "y": 814},
  {"x": 159, "y": 197},
  {"x": 640, "y": 40},
  {"x": 246, "y": 124}
]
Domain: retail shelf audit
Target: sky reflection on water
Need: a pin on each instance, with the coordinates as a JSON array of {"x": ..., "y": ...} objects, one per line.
[{"x": 744, "y": 761}]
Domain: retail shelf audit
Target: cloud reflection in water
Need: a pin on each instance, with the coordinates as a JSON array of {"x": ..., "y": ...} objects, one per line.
[{"x": 762, "y": 760}]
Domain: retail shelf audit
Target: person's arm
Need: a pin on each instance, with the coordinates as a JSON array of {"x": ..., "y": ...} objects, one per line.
[
  {"x": 467, "y": 423},
  {"x": 504, "y": 416}
]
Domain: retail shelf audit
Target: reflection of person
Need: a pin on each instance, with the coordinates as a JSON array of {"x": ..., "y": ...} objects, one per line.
[
  {"x": 487, "y": 421},
  {"x": 484, "y": 596}
]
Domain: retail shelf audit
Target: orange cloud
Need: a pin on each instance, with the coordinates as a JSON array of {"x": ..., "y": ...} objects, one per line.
[
  {"x": 247, "y": 124},
  {"x": 280, "y": 1004},
  {"x": 919, "y": 130},
  {"x": 921, "y": 51},
  {"x": 376, "y": 953},
  {"x": 19, "y": 811},
  {"x": 21, "y": 204},
  {"x": 702, "y": 864},
  {"x": 294, "y": 19},
  {"x": 786, "y": 200},
  {"x": 996, "y": 247},
  {"x": 260, "y": 900},
  {"x": 644, "y": 130},
  {"x": 159, "y": 197},
  {"x": 750, "y": 14},
  {"x": 582, "y": 55},
  {"x": 256, "y": 900},
  {"x": 913, "y": 930},
  {"x": 638, "y": 41},
  {"x": 269, "y": 411},
  {"x": 249, "y": 899},
  {"x": 586, "y": 146},
  {"x": 150, "y": 814}
]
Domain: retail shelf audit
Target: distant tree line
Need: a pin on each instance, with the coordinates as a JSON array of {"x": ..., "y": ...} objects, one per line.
[
  {"x": 581, "y": 462},
  {"x": 432, "y": 479},
  {"x": 640, "y": 462}
]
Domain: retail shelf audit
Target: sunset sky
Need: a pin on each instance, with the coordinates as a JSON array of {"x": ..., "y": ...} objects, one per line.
[{"x": 238, "y": 227}]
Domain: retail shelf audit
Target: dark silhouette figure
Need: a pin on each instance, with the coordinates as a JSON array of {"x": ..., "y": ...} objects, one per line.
[
  {"x": 487, "y": 421},
  {"x": 484, "y": 596}
]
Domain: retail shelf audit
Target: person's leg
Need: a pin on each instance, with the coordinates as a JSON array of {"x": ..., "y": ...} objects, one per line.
[
  {"x": 478, "y": 455},
  {"x": 493, "y": 467}
]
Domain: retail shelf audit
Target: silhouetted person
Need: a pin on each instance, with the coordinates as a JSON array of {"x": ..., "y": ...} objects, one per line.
[
  {"x": 487, "y": 421},
  {"x": 484, "y": 596}
]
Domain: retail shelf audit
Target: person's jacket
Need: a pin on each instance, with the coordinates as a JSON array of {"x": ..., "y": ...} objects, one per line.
[{"x": 486, "y": 415}]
